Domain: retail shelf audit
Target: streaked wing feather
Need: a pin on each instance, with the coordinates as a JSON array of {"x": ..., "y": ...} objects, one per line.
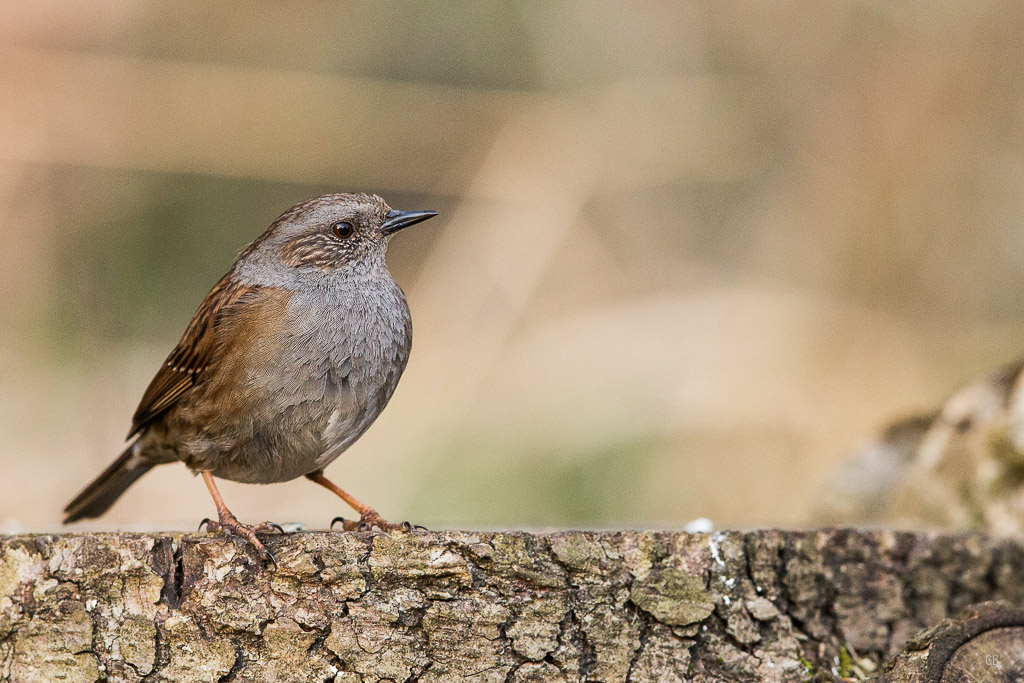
[{"x": 188, "y": 363}]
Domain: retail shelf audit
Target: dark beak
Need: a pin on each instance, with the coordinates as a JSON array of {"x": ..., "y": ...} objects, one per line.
[{"x": 396, "y": 220}]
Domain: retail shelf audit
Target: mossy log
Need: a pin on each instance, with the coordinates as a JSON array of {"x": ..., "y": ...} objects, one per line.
[{"x": 441, "y": 606}]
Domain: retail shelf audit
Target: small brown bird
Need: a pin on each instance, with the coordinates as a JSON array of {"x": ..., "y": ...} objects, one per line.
[{"x": 289, "y": 359}]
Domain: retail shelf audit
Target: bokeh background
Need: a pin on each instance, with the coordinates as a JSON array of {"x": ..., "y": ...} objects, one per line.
[{"x": 690, "y": 253}]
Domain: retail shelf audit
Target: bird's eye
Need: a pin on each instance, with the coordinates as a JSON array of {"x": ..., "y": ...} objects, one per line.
[{"x": 342, "y": 229}]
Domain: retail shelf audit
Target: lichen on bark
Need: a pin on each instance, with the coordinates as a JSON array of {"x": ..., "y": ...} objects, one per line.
[{"x": 441, "y": 606}]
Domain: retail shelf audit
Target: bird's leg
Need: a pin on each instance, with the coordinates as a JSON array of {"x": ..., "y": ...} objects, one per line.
[
  {"x": 368, "y": 517},
  {"x": 230, "y": 525}
]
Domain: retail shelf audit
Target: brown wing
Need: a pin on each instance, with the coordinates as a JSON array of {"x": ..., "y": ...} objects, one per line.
[{"x": 190, "y": 359}]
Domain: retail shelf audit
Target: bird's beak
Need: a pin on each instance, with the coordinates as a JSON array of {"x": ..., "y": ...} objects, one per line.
[{"x": 396, "y": 220}]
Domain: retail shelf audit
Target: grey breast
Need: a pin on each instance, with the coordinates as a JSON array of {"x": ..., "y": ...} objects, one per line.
[{"x": 351, "y": 342}]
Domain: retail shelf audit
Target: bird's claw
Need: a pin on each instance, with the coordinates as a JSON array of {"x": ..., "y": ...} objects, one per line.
[
  {"x": 267, "y": 555},
  {"x": 267, "y": 527},
  {"x": 232, "y": 529},
  {"x": 370, "y": 520},
  {"x": 345, "y": 523}
]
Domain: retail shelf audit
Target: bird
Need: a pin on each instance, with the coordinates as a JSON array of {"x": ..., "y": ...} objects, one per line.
[{"x": 286, "y": 363}]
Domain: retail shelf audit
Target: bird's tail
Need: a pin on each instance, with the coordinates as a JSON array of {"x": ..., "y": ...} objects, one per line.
[{"x": 101, "y": 493}]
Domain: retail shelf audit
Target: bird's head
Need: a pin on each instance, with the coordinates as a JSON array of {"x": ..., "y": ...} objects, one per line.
[{"x": 335, "y": 232}]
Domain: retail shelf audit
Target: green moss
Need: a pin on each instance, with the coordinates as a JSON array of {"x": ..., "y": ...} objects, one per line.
[{"x": 845, "y": 663}]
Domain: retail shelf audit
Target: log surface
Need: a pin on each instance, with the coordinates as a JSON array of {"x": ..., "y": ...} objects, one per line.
[{"x": 438, "y": 606}]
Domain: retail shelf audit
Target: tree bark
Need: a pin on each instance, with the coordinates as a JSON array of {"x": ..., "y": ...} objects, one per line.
[
  {"x": 984, "y": 644},
  {"x": 439, "y": 606}
]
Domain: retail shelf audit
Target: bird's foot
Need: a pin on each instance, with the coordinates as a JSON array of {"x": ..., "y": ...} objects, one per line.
[
  {"x": 232, "y": 528},
  {"x": 370, "y": 520}
]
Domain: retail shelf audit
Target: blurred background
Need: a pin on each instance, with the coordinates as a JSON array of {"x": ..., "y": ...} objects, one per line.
[{"x": 690, "y": 254}]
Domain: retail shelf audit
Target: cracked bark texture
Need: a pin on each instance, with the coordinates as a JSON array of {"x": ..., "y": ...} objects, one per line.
[{"x": 439, "y": 606}]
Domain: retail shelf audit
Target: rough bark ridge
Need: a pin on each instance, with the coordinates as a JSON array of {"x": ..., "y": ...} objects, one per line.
[{"x": 603, "y": 606}]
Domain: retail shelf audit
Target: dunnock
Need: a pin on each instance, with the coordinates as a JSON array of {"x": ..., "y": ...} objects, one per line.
[{"x": 289, "y": 359}]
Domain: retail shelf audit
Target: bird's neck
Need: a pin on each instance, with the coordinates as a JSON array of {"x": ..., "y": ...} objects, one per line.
[{"x": 370, "y": 274}]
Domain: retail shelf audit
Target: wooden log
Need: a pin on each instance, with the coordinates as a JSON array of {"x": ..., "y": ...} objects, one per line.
[{"x": 764, "y": 605}]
